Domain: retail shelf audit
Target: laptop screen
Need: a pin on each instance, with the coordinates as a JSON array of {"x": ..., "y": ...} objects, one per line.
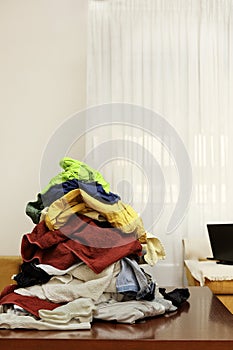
[{"x": 221, "y": 240}]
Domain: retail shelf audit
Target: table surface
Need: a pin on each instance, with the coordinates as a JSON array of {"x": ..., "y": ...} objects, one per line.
[{"x": 202, "y": 320}]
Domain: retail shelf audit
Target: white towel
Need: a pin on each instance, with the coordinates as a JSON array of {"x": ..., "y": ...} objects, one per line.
[
  {"x": 128, "y": 311},
  {"x": 80, "y": 309},
  {"x": 51, "y": 270}
]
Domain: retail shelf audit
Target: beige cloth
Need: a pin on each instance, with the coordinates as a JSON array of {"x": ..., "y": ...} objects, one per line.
[
  {"x": 201, "y": 270},
  {"x": 154, "y": 249},
  {"x": 80, "y": 309}
]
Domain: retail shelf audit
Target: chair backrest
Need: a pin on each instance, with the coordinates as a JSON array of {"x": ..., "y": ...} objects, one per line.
[
  {"x": 9, "y": 266},
  {"x": 196, "y": 248}
]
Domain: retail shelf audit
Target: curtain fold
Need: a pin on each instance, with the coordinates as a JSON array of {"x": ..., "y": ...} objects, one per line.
[{"x": 174, "y": 57}]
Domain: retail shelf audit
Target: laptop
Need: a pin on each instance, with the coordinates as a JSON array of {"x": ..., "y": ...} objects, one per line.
[{"x": 221, "y": 241}]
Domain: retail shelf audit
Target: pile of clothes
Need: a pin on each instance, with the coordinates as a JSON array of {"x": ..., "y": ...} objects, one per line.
[{"x": 82, "y": 261}]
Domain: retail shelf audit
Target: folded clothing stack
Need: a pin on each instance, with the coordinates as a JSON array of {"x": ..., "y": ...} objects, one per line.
[{"x": 82, "y": 259}]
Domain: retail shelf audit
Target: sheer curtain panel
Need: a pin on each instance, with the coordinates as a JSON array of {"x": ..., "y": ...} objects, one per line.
[{"x": 174, "y": 58}]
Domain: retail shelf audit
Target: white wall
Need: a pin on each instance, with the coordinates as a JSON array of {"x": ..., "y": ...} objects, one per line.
[{"x": 42, "y": 82}]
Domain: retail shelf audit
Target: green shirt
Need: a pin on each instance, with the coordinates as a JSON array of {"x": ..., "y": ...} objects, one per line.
[{"x": 75, "y": 169}]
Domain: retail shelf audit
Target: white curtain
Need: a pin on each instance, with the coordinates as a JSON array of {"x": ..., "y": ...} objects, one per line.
[{"x": 173, "y": 57}]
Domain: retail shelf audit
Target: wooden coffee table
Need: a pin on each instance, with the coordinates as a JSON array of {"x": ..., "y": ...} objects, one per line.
[{"x": 201, "y": 323}]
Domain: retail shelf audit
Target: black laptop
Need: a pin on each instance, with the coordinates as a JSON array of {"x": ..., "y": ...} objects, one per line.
[{"x": 221, "y": 240}]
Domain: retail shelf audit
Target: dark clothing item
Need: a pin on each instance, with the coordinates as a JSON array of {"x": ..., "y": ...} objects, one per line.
[
  {"x": 28, "y": 303},
  {"x": 30, "y": 275},
  {"x": 177, "y": 296},
  {"x": 34, "y": 209},
  {"x": 80, "y": 238},
  {"x": 149, "y": 295},
  {"x": 94, "y": 189}
]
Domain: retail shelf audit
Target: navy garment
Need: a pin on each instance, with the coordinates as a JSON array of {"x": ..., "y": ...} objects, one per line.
[{"x": 94, "y": 189}]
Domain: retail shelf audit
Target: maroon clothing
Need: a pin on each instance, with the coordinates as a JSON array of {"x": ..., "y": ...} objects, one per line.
[
  {"x": 80, "y": 238},
  {"x": 28, "y": 303}
]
